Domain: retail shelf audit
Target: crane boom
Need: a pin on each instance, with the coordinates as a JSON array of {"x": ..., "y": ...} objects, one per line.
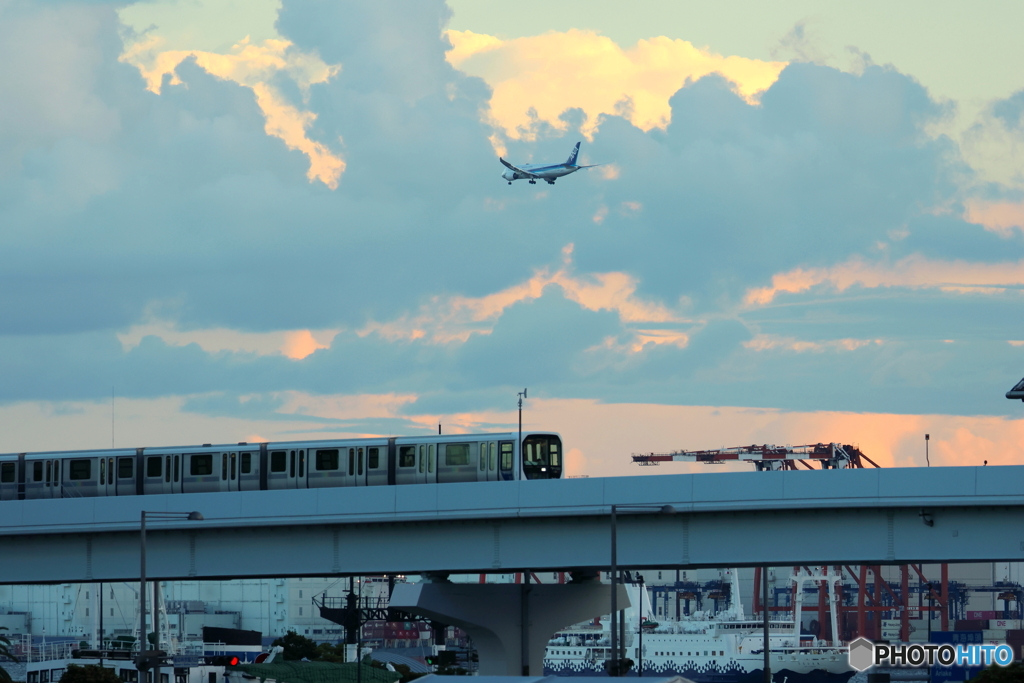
[{"x": 769, "y": 456}]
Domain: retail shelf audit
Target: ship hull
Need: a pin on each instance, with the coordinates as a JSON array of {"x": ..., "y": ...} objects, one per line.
[{"x": 728, "y": 675}]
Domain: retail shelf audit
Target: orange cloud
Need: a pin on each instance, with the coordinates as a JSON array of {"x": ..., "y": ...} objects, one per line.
[
  {"x": 1001, "y": 218},
  {"x": 254, "y": 66},
  {"x": 294, "y": 344},
  {"x": 916, "y": 272},
  {"x": 455, "y": 318},
  {"x": 538, "y": 78}
]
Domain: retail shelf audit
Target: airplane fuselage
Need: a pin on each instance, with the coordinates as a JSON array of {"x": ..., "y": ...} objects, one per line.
[
  {"x": 541, "y": 172},
  {"x": 546, "y": 172}
]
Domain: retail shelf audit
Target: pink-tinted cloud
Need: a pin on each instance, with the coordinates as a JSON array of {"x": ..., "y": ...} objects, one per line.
[
  {"x": 444, "y": 320},
  {"x": 913, "y": 272},
  {"x": 1002, "y": 218},
  {"x": 295, "y": 344}
]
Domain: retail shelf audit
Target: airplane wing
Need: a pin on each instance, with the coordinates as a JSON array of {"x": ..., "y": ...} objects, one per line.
[{"x": 525, "y": 174}]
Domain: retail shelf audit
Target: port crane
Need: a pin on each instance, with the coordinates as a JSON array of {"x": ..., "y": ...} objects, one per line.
[{"x": 766, "y": 457}]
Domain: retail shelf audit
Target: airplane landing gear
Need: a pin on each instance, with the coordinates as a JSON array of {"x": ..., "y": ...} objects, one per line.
[
  {"x": 510, "y": 182},
  {"x": 551, "y": 182},
  {"x": 533, "y": 182}
]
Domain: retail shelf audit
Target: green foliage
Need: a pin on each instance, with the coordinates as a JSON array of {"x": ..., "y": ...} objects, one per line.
[
  {"x": 297, "y": 647},
  {"x": 1001, "y": 674},
  {"x": 90, "y": 673},
  {"x": 326, "y": 652},
  {"x": 5, "y": 653}
]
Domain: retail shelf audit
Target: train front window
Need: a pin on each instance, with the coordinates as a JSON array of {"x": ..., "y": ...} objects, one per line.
[
  {"x": 7, "y": 473},
  {"x": 542, "y": 456}
]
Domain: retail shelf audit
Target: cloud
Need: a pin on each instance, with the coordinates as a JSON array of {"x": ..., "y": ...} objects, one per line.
[
  {"x": 1001, "y": 217},
  {"x": 538, "y": 78},
  {"x": 253, "y": 66},
  {"x": 456, "y": 318},
  {"x": 294, "y": 344},
  {"x": 914, "y": 272}
]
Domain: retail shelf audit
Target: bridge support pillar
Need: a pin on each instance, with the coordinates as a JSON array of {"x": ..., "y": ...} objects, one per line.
[{"x": 492, "y": 616}]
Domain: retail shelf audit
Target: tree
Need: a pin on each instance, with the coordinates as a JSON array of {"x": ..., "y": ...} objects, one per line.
[
  {"x": 90, "y": 673},
  {"x": 5, "y": 654},
  {"x": 297, "y": 647},
  {"x": 326, "y": 652}
]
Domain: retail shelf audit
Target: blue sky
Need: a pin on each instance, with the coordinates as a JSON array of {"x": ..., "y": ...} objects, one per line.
[{"x": 261, "y": 220}]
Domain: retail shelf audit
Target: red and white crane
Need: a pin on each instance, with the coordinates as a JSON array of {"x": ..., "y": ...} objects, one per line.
[{"x": 827, "y": 456}]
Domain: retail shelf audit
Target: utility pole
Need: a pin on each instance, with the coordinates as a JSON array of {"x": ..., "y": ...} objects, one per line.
[{"x": 927, "y": 437}]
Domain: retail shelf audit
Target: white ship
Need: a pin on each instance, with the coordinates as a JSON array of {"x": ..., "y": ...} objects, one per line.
[{"x": 723, "y": 647}]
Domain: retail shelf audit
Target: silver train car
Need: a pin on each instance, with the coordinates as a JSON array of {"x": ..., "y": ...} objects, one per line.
[{"x": 383, "y": 461}]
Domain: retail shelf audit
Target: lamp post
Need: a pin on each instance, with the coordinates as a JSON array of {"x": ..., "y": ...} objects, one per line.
[
  {"x": 142, "y": 662},
  {"x": 614, "y": 663},
  {"x": 522, "y": 395}
]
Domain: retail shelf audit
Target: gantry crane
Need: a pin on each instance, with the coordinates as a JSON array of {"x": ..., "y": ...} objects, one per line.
[{"x": 828, "y": 456}]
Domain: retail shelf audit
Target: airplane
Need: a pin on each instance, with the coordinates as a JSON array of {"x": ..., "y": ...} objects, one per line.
[{"x": 536, "y": 172}]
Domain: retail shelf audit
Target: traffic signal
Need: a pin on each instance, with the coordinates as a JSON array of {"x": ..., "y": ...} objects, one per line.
[
  {"x": 223, "y": 660},
  {"x": 150, "y": 658}
]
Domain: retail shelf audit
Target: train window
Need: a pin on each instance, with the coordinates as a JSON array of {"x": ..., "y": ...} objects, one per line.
[
  {"x": 456, "y": 454},
  {"x": 154, "y": 466},
  {"x": 351, "y": 461},
  {"x": 7, "y": 473},
  {"x": 177, "y": 468},
  {"x": 327, "y": 459},
  {"x": 37, "y": 471},
  {"x": 246, "y": 463},
  {"x": 423, "y": 458},
  {"x": 167, "y": 468},
  {"x": 506, "y": 456},
  {"x": 223, "y": 465},
  {"x": 373, "y": 458},
  {"x": 483, "y": 457},
  {"x": 494, "y": 456},
  {"x": 406, "y": 456},
  {"x": 430, "y": 461},
  {"x": 359, "y": 461},
  {"x": 291, "y": 465},
  {"x": 79, "y": 469},
  {"x": 302, "y": 463},
  {"x": 553, "y": 451},
  {"x": 125, "y": 468},
  {"x": 200, "y": 465},
  {"x": 103, "y": 471},
  {"x": 234, "y": 465},
  {"x": 278, "y": 461},
  {"x": 49, "y": 469}
]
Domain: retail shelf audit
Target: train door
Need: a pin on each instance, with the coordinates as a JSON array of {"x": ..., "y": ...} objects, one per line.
[
  {"x": 228, "y": 471},
  {"x": 124, "y": 475},
  {"x": 106, "y": 487},
  {"x": 287, "y": 469},
  {"x": 355, "y": 466},
  {"x": 248, "y": 471},
  {"x": 377, "y": 465},
  {"x": 9, "y": 480},
  {"x": 157, "y": 474},
  {"x": 415, "y": 463},
  {"x": 506, "y": 460},
  {"x": 490, "y": 457}
]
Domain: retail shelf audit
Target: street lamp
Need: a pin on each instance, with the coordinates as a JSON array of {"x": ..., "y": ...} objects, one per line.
[
  {"x": 143, "y": 661},
  {"x": 615, "y": 661}
]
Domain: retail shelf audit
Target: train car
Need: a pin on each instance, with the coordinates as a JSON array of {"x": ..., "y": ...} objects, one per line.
[{"x": 376, "y": 461}]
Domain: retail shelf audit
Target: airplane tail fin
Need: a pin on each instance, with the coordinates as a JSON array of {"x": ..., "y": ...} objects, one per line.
[{"x": 571, "y": 161}]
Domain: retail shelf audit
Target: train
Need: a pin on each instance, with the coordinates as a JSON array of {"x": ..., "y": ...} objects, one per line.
[{"x": 374, "y": 461}]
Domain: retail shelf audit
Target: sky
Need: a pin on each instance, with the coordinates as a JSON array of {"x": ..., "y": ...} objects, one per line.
[{"x": 236, "y": 221}]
